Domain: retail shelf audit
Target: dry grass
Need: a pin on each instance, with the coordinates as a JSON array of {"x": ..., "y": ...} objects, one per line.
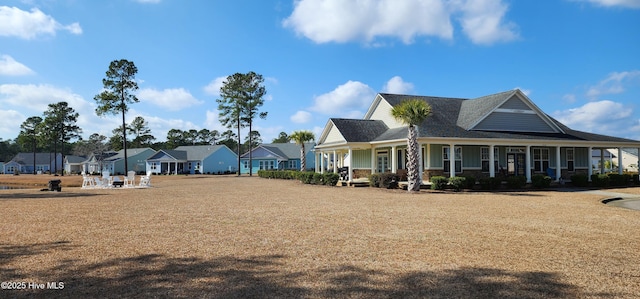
[{"x": 224, "y": 237}]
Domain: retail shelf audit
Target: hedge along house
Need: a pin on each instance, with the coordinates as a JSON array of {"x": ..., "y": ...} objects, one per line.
[
  {"x": 499, "y": 134},
  {"x": 280, "y": 156}
]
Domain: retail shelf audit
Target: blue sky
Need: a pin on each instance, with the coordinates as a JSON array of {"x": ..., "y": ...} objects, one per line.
[{"x": 577, "y": 60}]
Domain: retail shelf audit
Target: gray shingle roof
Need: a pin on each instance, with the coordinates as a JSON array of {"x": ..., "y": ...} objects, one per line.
[
  {"x": 449, "y": 119},
  {"x": 359, "y": 130},
  {"x": 27, "y": 158},
  {"x": 199, "y": 152},
  {"x": 284, "y": 150}
]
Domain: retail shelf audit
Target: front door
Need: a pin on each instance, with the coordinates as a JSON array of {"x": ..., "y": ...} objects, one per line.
[
  {"x": 383, "y": 162},
  {"x": 516, "y": 163}
]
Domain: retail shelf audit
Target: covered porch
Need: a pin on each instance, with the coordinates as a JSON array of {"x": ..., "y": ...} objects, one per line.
[{"x": 469, "y": 158}]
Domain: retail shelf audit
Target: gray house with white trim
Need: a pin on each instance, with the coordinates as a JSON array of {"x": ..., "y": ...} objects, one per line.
[{"x": 499, "y": 134}]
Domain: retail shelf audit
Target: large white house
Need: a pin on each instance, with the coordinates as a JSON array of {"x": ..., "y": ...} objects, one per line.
[{"x": 499, "y": 134}]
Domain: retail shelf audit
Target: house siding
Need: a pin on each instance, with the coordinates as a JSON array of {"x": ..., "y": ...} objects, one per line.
[
  {"x": 515, "y": 103},
  {"x": 220, "y": 161},
  {"x": 519, "y": 122},
  {"x": 383, "y": 113},
  {"x": 334, "y": 135},
  {"x": 361, "y": 159}
]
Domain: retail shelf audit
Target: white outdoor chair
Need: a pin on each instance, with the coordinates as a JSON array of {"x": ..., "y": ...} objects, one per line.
[
  {"x": 99, "y": 183},
  {"x": 107, "y": 179},
  {"x": 129, "y": 180},
  {"x": 87, "y": 181},
  {"x": 145, "y": 180}
]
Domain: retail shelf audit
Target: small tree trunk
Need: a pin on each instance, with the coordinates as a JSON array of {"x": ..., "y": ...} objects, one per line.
[
  {"x": 303, "y": 159},
  {"x": 413, "y": 173}
]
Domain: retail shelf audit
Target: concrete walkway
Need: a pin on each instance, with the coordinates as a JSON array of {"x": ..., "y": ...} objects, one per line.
[{"x": 623, "y": 200}]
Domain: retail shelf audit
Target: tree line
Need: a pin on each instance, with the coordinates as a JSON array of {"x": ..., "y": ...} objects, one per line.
[{"x": 241, "y": 97}]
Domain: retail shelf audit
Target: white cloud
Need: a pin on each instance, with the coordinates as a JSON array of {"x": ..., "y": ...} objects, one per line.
[
  {"x": 29, "y": 25},
  {"x": 398, "y": 86},
  {"x": 301, "y": 117},
  {"x": 172, "y": 99},
  {"x": 347, "y": 100},
  {"x": 340, "y": 21},
  {"x": 10, "y": 67},
  {"x": 613, "y": 3},
  {"x": 613, "y": 84},
  {"x": 212, "y": 121},
  {"x": 483, "y": 21},
  {"x": 604, "y": 117},
  {"x": 343, "y": 21},
  {"x": 38, "y": 97},
  {"x": 10, "y": 121},
  {"x": 213, "y": 88}
]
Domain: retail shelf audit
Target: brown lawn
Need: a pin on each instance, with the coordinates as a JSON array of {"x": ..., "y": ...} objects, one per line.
[{"x": 230, "y": 237}]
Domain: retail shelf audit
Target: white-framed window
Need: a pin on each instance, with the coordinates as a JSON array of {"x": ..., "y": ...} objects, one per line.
[
  {"x": 484, "y": 157},
  {"x": 540, "y": 159},
  {"x": 245, "y": 164},
  {"x": 570, "y": 159},
  {"x": 267, "y": 164},
  {"x": 292, "y": 164},
  {"x": 446, "y": 159},
  {"x": 154, "y": 166}
]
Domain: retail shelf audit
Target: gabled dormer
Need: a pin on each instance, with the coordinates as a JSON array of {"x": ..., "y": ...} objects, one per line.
[{"x": 510, "y": 111}]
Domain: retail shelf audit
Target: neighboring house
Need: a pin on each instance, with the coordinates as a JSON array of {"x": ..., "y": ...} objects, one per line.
[
  {"x": 95, "y": 163},
  {"x": 499, "y": 134},
  {"x": 603, "y": 160},
  {"x": 629, "y": 159},
  {"x": 74, "y": 164},
  {"x": 205, "y": 159},
  {"x": 1, "y": 167},
  {"x": 277, "y": 156},
  {"x": 23, "y": 163},
  {"x": 136, "y": 160}
]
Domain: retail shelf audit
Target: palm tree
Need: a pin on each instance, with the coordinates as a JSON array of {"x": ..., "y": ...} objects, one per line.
[
  {"x": 300, "y": 137},
  {"x": 412, "y": 113}
]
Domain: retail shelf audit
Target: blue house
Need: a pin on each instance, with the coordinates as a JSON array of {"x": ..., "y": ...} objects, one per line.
[
  {"x": 282, "y": 156},
  {"x": 23, "y": 163},
  {"x": 198, "y": 159}
]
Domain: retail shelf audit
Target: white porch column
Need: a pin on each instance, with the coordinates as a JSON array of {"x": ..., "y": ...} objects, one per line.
[
  {"x": 558, "y": 164},
  {"x": 394, "y": 159},
  {"x": 527, "y": 164},
  {"x": 590, "y": 169},
  {"x": 428, "y": 159},
  {"x": 492, "y": 161},
  {"x": 420, "y": 162},
  {"x": 350, "y": 165},
  {"x": 335, "y": 162},
  {"x": 601, "y": 161},
  {"x": 452, "y": 160},
  {"x": 619, "y": 160},
  {"x": 316, "y": 164},
  {"x": 373, "y": 160},
  {"x": 321, "y": 162}
]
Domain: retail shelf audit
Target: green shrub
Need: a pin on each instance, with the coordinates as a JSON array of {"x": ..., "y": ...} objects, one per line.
[
  {"x": 516, "y": 182},
  {"x": 490, "y": 183},
  {"x": 317, "y": 178},
  {"x": 386, "y": 180},
  {"x": 457, "y": 182},
  {"x": 331, "y": 179},
  {"x": 306, "y": 177},
  {"x": 469, "y": 182},
  {"x": 439, "y": 182},
  {"x": 580, "y": 180},
  {"x": 374, "y": 180},
  {"x": 600, "y": 180},
  {"x": 636, "y": 179},
  {"x": 541, "y": 181}
]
